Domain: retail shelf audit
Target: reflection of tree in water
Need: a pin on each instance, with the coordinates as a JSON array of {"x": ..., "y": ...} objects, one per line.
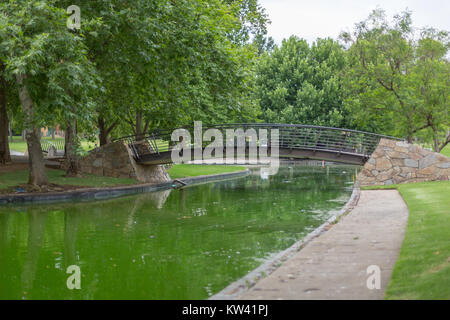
[
  {"x": 37, "y": 220},
  {"x": 4, "y": 219},
  {"x": 155, "y": 246},
  {"x": 71, "y": 220},
  {"x": 157, "y": 198},
  {"x": 4, "y": 241}
]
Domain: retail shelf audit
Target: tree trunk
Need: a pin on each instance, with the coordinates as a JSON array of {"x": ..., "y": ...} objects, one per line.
[
  {"x": 4, "y": 125},
  {"x": 141, "y": 126},
  {"x": 439, "y": 145},
  {"x": 436, "y": 145},
  {"x": 103, "y": 138},
  {"x": 139, "y": 133},
  {"x": 11, "y": 138},
  {"x": 104, "y": 131},
  {"x": 53, "y": 133},
  {"x": 72, "y": 163},
  {"x": 37, "y": 174}
]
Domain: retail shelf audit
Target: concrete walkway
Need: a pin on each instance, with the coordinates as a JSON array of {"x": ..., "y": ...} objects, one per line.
[{"x": 334, "y": 265}]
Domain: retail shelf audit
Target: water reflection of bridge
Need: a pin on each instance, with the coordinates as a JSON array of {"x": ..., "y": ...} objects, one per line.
[{"x": 294, "y": 141}]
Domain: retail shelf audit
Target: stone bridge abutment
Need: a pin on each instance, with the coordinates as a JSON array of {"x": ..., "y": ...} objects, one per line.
[{"x": 395, "y": 162}]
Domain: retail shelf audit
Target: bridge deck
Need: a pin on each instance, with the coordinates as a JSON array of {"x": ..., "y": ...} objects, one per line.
[{"x": 165, "y": 157}]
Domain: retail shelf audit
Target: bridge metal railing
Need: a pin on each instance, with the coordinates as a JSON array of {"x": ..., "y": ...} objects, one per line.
[{"x": 291, "y": 136}]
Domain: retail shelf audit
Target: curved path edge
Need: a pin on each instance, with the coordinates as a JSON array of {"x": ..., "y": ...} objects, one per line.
[
  {"x": 351, "y": 261},
  {"x": 89, "y": 194},
  {"x": 238, "y": 288}
]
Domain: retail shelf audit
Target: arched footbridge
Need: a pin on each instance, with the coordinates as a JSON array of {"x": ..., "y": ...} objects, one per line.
[{"x": 294, "y": 142}]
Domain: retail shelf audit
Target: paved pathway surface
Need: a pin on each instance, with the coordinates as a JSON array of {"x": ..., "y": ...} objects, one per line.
[{"x": 334, "y": 265}]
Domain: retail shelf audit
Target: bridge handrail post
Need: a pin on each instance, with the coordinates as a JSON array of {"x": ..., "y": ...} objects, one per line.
[
  {"x": 155, "y": 144},
  {"x": 132, "y": 145}
]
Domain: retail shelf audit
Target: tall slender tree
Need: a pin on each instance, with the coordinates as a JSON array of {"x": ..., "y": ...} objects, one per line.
[
  {"x": 397, "y": 83},
  {"x": 49, "y": 66}
]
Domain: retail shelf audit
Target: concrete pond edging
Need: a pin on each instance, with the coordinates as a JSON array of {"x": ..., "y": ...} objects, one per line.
[
  {"x": 241, "y": 286},
  {"x": 89, "y": 194}
]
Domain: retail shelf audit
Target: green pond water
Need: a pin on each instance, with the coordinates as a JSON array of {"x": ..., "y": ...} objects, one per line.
[{"x": 173, "y": 244}]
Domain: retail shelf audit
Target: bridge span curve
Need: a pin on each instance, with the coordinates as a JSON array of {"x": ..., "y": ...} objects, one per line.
[{"x": 295, "y": 141}]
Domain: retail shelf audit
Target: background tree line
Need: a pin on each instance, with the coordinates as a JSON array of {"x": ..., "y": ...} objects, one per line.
[
  {"x": 384, "y": 77},
  {"x": 139, "y": 65}
]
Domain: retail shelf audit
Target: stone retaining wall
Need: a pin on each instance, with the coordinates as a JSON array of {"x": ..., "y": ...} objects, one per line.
[
  {"x": 116, "y": 160},
  {"x": 401, "y": 162}
]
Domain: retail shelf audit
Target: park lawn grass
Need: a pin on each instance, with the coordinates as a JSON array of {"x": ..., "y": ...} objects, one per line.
[
  {"x": 422, "y": 270},
  {"x": 21, "y": 146},
  {"x": 18, "y": 145},
  {"x": 446, "y": 151},
  {"x": 19, "y": 177},
  {"x": 192, "y": 170}
]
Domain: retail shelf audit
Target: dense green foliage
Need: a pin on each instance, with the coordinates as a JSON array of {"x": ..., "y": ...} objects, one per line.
[
  {"x": 398, "y": 84},
  {"x": 131, "y": 67},
  {"x": 36, "y": 44},
  {"x": 166, "y": 63},
  {"x": 298, "y": 83},
  {"x": 382, "y": 79}
]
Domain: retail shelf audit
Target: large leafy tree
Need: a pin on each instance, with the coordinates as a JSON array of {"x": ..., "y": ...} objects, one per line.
[
  {"x": 298, "y": 83},
  {"x": 166, "y": 63},
  {"x": 118, "y": 38},
  {"x": 48, "y": 64},
  {"x": 397, "y": 84},
  {"x": 430, "y": 83},
  {"x": 200, "y": 74}
]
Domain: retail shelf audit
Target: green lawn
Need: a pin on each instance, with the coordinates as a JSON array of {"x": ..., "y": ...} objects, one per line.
[
  {"x": 11, "y": 179},
  {"x": 446, "y": 151},
  {"x": 422, "y": 270},
  {"x": 192, "y": 170},
  {"x": 21, "y": 146},
  {"x": 19, "y": 177},
  {"x": 18, "y": 145}
]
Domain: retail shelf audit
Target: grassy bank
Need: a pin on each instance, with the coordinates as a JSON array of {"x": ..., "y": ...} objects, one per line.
[
  {"x": 19, "y": 177},
  {"x": 193, "y": 170},
  {"x": 422, "y": 270}
]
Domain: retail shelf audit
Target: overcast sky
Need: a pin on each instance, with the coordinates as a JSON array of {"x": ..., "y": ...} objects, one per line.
[{"x": 310, "y": 19}]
